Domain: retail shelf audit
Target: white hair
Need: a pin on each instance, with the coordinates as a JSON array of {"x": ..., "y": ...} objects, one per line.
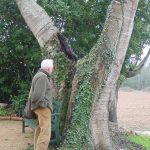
[{"x": 47, "y": 63}]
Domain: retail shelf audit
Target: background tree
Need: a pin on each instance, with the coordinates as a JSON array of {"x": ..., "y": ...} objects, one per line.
[
  {"x": 19, "y": 53},
  {"x": 139, "y": 40},
  {"x": 140, "y": 81}
]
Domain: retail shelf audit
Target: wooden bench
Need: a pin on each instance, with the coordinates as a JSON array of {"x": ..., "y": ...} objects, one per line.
[{"x": 56, "y": 137}]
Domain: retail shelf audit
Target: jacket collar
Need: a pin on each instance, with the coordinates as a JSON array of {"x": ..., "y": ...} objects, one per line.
[{"x": 42, "y": 70}]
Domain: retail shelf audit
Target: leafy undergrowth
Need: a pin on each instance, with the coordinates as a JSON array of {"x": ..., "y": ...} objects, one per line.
[
  {"x": 124, "y": 141},
  {"x": 31, "y": 147},
  {"x": 5, "y": 111},
  {"x": 140, "y": 139}
]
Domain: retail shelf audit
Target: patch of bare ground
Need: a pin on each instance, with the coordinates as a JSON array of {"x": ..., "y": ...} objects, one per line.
[
  {"x": 134, "y": 110},
  {"x": 11, "y": 136}
]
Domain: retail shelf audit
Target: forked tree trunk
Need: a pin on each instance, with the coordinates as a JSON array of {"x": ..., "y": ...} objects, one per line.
[
  {"x": 96, "y": 74},
  {"x": 119, "y": 27}
]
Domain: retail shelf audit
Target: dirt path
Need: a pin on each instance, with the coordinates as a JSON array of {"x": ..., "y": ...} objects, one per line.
[
  {"x": 11, "y": 136},
  {"x": 133, "y": 113},
  {"x": 134, "y": 110}
]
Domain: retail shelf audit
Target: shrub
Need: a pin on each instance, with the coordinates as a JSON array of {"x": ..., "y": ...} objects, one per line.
[
  {"x": 140, "y": 139},
  {"x": 18, "y": 102},
  {"x": 4, "y": 112}
]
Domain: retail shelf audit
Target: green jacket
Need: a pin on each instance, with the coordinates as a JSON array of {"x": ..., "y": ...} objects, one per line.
[{"x": 40, "y": 91}]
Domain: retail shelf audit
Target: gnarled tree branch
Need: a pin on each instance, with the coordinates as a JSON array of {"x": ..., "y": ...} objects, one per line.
[{"x": 135, "y": 71}]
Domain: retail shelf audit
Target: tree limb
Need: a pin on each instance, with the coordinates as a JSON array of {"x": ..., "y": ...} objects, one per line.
[{"x": 135, "y": 71}]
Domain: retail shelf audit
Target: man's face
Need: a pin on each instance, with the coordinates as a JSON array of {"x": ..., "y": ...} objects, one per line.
[{"x": 50, "y": 70}]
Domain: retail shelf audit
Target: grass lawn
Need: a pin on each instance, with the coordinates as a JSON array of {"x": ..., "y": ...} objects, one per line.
[{"x": 140, "y": 139}]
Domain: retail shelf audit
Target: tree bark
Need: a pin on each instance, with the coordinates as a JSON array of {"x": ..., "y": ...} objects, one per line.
[
  {"x": 39, "y": 22},
  {"x": 113, "y": 105}
]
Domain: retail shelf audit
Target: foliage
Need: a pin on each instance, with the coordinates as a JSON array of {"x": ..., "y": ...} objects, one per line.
[
  {"x": 18, "y": 102},
  {"x": 19, "y": 52},
  {"x": 139, "y": 82},
  {"x": 31, "y": 147},
  {"x": 4, "y": 112},
  {"x": 140, "y": 36},
  {"x": 140, "y": 139},
  {"x": 61, "y": 71},
  {"x": 80, "y": 21}
]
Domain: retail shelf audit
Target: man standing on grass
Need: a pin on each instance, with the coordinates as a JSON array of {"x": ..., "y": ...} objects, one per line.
[{"x": 41, "y": 104}]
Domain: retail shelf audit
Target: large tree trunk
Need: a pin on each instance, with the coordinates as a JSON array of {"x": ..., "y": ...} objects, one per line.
[
  {"x": 120, "y": 24},
  {"x": 96, "y": 74}
]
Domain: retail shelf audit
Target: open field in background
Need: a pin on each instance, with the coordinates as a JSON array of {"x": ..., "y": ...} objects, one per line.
[{"x": 134, "y": 110}]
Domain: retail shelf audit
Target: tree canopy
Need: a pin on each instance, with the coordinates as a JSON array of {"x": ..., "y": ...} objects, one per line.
[
  {"x": 140, "y": 36},
  {"x": 80, "y": 21},
  {"x": 19, "y": 52}
]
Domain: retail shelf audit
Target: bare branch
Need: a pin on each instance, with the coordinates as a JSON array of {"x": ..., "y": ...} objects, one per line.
[{"x": 135, "y": 71}]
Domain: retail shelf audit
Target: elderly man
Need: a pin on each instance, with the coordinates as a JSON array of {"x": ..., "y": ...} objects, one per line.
[{"x": 41, "y": 104}]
